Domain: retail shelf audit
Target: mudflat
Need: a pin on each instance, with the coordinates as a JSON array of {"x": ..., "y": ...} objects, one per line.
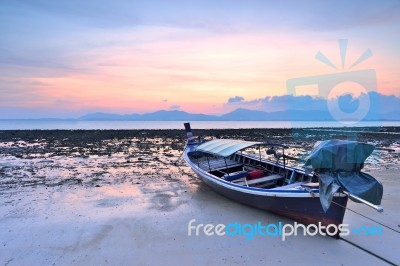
[{"x": 74, "y": 197}]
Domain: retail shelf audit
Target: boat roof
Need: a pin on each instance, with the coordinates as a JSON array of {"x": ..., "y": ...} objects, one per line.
[{"x": 225, "y": 147}]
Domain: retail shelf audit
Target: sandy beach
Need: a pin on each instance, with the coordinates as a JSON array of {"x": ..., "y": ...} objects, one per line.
[{"x": 125, "y": 197}]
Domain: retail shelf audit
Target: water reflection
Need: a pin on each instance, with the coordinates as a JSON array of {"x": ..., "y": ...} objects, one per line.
[{"x": 140, "y": 159}]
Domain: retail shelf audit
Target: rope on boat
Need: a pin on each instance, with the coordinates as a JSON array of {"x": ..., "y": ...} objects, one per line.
[
  {"x": 366, "y": 217},
  {"x": 180, "y": 156},
  {"x": 175, "y": 163},
  {"x": 368, "y": 251},
  {"x": 360, "y": 247}
]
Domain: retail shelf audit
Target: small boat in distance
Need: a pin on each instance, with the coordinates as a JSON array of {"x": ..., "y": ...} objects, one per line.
[{"x": 267, "y": 184}]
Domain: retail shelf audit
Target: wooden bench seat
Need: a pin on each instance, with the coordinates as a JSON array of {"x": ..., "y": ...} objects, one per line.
[
  {"x": 235, "y": 176},
  {"x": 259, "y": 180},
  {"x": 223, "y": 167}
]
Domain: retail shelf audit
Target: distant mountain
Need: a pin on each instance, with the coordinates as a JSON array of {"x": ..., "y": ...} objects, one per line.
[
  {"x": 155, "y": 116},
  {"x": 176, "y": 116},
  {"x": 393, "y": 116},
  {"x": 236, "y": 115},
  {"x": 106, "y": 116},
  {"x": 245, "y": 115},
  {"x": 251, "y": 115}
]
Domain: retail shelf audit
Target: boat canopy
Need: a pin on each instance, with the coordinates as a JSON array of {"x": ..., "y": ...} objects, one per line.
[{"x": 225, "y": 147}]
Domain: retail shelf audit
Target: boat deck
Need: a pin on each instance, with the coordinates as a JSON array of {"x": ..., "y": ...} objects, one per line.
[
  {"x": 215, "y": 163},
  {"x": 275, "y": 175}
]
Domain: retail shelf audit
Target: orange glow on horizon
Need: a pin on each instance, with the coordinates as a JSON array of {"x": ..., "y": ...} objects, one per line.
[{"x": 196, "y": 76}]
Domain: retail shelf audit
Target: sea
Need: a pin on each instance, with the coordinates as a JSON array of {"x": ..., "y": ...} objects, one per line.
[{"x": 20, "y": 124}]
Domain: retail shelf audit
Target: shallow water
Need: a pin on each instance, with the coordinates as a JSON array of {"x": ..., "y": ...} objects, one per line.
[
  {"x": 97, "y": 158},
  {"x": 26, "y": 124}
]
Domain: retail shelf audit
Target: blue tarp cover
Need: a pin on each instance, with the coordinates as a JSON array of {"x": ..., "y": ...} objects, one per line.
[{"x": 339, "y": 164}]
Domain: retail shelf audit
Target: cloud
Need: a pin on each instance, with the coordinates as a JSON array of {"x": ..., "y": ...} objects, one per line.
[
  {"x": 280, "y": 103},
  {"x": 379, "y": 103},
  {"x": 243, "y": 15},
  {"x": 191, "y": 52},
  {"x": 175, "y": 107},
  {"x": 348, "y": 103},
  {"x": 236, "y": 99}
]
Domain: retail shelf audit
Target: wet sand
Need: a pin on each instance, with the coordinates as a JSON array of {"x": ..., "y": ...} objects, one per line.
[{"x": 125, "y": 197}]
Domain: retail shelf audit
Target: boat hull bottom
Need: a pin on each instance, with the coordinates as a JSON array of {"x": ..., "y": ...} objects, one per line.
[{"x": 306, "y": 210}]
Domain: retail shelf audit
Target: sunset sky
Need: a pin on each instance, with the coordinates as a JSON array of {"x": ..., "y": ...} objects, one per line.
[{"x": 68, "y": 58}]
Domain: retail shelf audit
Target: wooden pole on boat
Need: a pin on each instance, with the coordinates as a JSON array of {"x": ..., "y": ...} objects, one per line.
[
  {"x": 208, "y": 161},
  {"x": 226, "y": 165},
  {"x": 369, "y": 204},
  {"x": 284, "y": 163}
]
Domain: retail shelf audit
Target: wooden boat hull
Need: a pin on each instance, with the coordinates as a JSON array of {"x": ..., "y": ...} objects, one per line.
[
  {"x": 301, "y": 206},
  {"x": 306, "y": 210}
]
